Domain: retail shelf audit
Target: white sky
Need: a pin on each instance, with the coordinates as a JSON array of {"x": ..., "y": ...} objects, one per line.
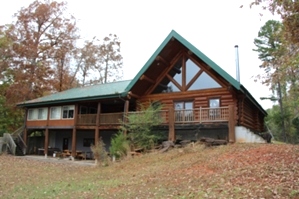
[{"x": 214, "y": 27}]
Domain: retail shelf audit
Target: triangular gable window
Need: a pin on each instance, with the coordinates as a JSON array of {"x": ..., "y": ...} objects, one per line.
[{"x": 185, "y": 75}]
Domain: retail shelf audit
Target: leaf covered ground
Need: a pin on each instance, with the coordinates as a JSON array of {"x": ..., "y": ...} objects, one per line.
[{"x": 231, "y": 171}]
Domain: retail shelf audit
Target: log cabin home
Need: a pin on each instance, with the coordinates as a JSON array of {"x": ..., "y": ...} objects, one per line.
[{"x": 198, "y": 98}]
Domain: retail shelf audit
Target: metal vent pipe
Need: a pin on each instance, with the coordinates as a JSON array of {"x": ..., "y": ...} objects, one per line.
[{"x": 237, "y": 63}]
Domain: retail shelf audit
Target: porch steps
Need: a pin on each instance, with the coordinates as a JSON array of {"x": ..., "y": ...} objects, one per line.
[{"x": 244, "y": 135}]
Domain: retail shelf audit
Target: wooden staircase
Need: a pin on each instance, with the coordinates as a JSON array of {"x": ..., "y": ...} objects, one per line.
[{"x": 13, "y": 143}]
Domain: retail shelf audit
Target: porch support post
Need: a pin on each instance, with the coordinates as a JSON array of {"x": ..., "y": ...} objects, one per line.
[
  {"x": 74, "y": 141},
  {"x": 25, "y": 127},
  {"x": 98, "y": 114},
  {"x": 76, "y": 114},
  {"x": 97, "y": 133},
  {"x": 126, "y": 111},
  {"x": 171, "y": 133},
  {"x": 231, "y": 124},
  {"x": 46, "y": 142}
]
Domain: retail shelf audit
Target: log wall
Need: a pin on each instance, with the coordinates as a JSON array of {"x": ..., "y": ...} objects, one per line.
[
  {"x": 199, "y": 99},
  {"x": 250, "y": 116}
]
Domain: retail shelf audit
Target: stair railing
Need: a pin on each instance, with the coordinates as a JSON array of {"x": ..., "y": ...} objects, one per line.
[
  {"x": 17, "y": 135},
  {"x": 10, "y": 143}
]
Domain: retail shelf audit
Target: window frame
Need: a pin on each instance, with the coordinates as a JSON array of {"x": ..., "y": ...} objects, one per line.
[
  {"x": 214, "y": 112},
  {"x": 70, "y": 112},
  {"x": 181, "y": 115}
]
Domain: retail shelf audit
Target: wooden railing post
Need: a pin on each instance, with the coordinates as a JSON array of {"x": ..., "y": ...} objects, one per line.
[
  {"x": 171, "y": 133},
  {"x": 231, "y": 124},
  {"x": 200, "y": 115}
]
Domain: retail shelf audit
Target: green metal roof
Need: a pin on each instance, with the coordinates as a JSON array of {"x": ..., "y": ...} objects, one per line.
[{"x": 98, "y": 91}]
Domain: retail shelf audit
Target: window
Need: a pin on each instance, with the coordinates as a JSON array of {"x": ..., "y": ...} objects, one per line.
[
  {"x": 55, "y": 112},
  {"x": 214, "y": 108},
  {"x": 204, "y": 81},
  {"x": 87, "y": 142},
  {"x": 31, "y": 115},
  {"x": 68, "y": 112},
  {"x": 37, "y": 114},
  {"x": 42, "y": 113},
  {"x": 186, "y": 75},
  {"x": 183, "y": 111}
]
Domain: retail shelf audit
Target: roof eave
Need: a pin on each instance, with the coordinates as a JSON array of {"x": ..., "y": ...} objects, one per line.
[{"x": 65, "y": 101}]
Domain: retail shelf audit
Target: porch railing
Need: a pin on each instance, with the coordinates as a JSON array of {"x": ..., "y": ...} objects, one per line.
[
  {"x": 201, "y": 115},
  {"x": 111, "y": 118},
  {"x": 87, "y": 119},
  {"x": 180, "y": 116},
  {"x": 105, "y": 118}
]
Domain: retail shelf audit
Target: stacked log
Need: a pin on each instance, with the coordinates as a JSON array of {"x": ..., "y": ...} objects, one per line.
[{"x": 212, "y": 142}]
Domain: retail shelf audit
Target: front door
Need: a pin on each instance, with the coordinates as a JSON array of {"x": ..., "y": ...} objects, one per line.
[{"x": 65, "y": 144}]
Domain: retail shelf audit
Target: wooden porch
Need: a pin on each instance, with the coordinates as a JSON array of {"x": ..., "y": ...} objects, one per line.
[
  {"x": 169, "y": 117},
  {"x": 183, "y": 116}
]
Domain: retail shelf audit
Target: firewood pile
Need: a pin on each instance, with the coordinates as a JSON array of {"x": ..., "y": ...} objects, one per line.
[
  {"x": 167, "y": 145},
  {"x": 212, "y": 142}
]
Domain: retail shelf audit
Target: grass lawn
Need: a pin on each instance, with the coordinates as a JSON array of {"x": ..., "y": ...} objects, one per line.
[{"x": 232, "y": 171}]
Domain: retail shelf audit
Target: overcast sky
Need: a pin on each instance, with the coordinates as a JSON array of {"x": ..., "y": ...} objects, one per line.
[{"x": 214, "y": 27}]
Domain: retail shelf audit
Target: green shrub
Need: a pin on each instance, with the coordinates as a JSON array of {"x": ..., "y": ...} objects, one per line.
[
  {"x": 120, "y": 146},
  {"x": 140, "y": 127}
]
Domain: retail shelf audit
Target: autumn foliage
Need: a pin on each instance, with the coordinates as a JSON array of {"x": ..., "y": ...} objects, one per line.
[{"x": 40, "y": 54}]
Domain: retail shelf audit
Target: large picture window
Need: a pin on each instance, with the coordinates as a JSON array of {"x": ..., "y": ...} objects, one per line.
[{"x": 186, "y": 75}]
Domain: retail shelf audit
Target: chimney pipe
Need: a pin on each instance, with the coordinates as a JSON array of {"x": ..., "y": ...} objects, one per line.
[{"x": 237, "y": 64}]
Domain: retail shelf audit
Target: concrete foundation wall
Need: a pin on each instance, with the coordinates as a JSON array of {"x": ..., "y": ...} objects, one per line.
[{"x": 244, "y": 135}]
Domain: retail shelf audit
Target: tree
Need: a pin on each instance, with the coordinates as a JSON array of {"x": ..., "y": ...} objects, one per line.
[
  {"x": 87, "y": 58},
  {"x": 41, "y": 33},
  {"x": 34, "y": 51},
  {"x": 110, "y": 68},
  {"x": 39, "y": 54},
  {"x": 270, "y": 51},
  {"x": 102, "y": 59},
  {"x": 289, "y": 13}
]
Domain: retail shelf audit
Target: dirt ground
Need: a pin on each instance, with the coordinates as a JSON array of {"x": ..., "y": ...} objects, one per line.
[{"x": 231, "y": 171}]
